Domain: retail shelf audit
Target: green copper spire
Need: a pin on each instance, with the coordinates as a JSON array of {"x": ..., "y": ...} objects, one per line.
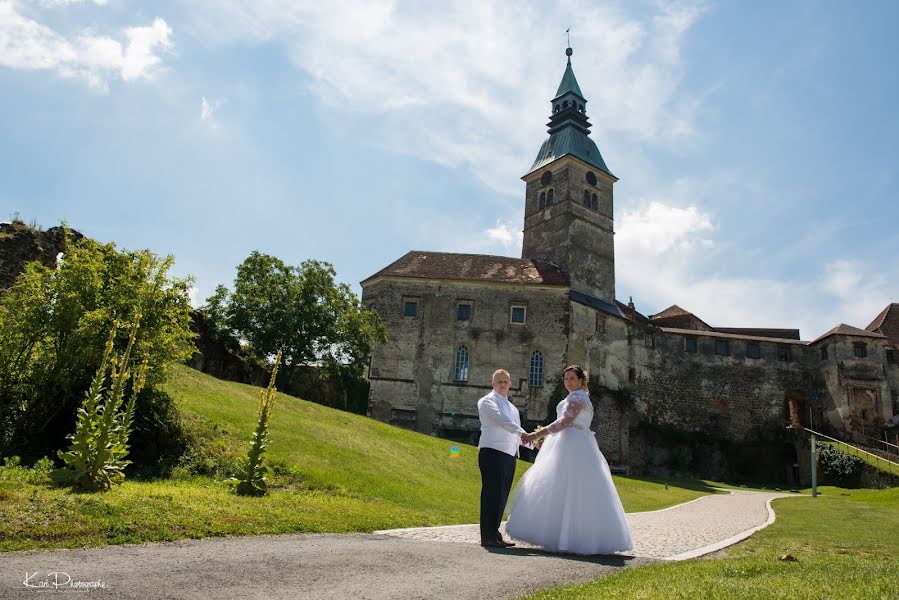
[
  {"x": 569, "y": 129},
  {"x": 569, "y": 81}
]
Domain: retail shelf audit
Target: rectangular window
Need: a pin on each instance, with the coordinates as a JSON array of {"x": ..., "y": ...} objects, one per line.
[
  {"x": 518, "y": 314},
  {"x": 722, "y": 347},
  {"x": 784, "y": 354},
  {"x": 895, "y": 403},
  {"x": 410, "y": 308},
  {"x": 649, "y": 340},
  {"x": 463, "y": 311},
  {"x": 860, "y": 350},
  {"x": 632, "y": 375},
  {"x": 823, "y": 352},
  {"x": 690, "y": 344},
  {"x": 753, "y": 350}
]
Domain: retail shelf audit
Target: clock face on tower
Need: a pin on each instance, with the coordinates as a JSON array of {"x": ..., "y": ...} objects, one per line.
[{"x": 546, "y": 179}]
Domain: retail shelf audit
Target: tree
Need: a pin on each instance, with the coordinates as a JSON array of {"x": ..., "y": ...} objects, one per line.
[
  {"x": 53, "y": 324},
  {"x": 299, "y": 310}
]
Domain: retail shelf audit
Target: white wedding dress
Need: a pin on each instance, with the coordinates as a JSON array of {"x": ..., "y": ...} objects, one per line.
[{"x": 567, "y": 501}]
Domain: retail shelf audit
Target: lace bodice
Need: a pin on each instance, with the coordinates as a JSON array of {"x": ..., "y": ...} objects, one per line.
[{"x": 575, "y": 410}]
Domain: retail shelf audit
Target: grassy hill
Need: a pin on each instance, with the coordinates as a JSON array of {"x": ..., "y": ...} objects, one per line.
[{"x": 336, "y": 472}]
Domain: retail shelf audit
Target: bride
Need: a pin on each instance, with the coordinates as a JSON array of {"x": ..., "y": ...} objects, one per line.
[{"x": 567, "y": 501}]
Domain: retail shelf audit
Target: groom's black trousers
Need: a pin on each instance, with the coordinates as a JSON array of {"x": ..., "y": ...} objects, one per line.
[{"x": 497, "y": 471}]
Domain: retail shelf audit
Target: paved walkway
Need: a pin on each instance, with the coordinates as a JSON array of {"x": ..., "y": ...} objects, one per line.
[
  {"x": 680, "y": 532},
  {"x": 387, "y": 565}
]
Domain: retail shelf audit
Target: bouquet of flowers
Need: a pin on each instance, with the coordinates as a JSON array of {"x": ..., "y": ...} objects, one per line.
[{"x": 539, "y": 441}]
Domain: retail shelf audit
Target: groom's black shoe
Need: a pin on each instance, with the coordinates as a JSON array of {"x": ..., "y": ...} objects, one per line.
[{"x": 496, "y": 544}]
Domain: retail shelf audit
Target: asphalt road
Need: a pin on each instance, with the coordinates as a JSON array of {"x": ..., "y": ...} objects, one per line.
[{"x": 297, "y": 566}]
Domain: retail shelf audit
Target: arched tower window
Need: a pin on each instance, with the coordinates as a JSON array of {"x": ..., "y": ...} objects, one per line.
[
  {"x": 542, "y": 200},
  {"x": 586, "y": 198},
  {"x": 594, "y": 202},
  {"x": 460, "y": 371},
  {"x": 550, "y": 198},
  {"x": 535, "y": 374},
  {"x": 565, "y": 105}
]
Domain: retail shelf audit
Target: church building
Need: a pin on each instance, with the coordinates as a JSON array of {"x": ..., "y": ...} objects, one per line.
[{"x": 672, "y": 393}]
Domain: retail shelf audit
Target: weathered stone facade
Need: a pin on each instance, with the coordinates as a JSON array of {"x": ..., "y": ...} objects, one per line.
[{"x": 672, "y": 393}]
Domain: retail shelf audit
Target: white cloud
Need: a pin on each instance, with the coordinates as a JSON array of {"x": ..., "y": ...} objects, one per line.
[
  {"x": 28, "y": 44},
  {"x": 506, "y": 235},
  {"x": 662, "y": 259},
  {"x": 208, "y": 110},
  {"x": 58, "y": 3},
  {"x": 465, "y": 83}
]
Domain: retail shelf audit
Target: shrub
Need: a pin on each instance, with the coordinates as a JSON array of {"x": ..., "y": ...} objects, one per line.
[
  {"x": 837, "y": 467},
  {"x": 53, "y": 324}
]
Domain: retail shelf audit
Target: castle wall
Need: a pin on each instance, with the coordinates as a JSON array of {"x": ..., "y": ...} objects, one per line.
[{"x": 412, "y": 375}]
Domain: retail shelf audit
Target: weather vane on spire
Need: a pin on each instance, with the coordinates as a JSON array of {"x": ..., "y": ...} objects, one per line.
[{"x": 568, "y": 34}]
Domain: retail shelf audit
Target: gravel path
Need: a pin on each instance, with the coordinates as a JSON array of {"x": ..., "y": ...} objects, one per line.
[{"x": 437, "y": 562}]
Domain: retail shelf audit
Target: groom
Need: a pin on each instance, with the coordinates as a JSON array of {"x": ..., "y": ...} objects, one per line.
[{"x": 500, "y": 437}]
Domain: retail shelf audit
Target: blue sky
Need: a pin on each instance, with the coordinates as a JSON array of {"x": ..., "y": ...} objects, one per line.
[{"x": 756, "y": 143}]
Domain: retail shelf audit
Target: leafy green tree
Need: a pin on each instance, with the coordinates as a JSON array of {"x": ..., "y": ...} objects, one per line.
[
  {"x": 299, "y": 310},
  {"x": 53, "y": 324}
]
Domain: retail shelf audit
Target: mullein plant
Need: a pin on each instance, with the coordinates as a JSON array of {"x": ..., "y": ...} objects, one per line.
[
  {"x": 96, "y": 458},
  {"x": 250, "y": 480}
]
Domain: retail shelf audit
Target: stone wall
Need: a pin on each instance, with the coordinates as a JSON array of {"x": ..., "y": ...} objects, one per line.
[
  {"x": 412, "y": 375},
  {"x": 20, "y": 244}
]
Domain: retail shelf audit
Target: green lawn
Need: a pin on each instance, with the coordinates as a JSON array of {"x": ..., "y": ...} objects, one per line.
[
  {"x": 338, "y": 472},
  {"x": 846, "y": 543}
]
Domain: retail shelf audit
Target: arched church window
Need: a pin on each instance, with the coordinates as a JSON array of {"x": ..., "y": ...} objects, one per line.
[
  {"x": 546, "y": 178},
  {"x": 591, "y": 177},
  {"x": 460, "y": 371},
  {"x": 542, "y": 200},
  {"x": 535, "y": 374},
  {"x": 594, "y": 202},
  {"x": 556, "y": 108},
  {"x": 565, "y": 105},
  {"x": 586, "y": 199},
  {"x": 550, "y": 198},
  {"x": 580, "y": 108}
]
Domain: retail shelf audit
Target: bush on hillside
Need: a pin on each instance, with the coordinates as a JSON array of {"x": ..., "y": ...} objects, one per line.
[
  {"x": 53, "y": 325},
  {"x": 837, "y": 467}
]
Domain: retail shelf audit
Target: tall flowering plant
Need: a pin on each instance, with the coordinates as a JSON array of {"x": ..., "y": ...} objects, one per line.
[{"x": 95, "y": 460}]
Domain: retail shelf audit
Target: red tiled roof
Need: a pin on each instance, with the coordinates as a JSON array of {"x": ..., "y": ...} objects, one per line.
[
  {"x": 474, "y": 267},
  {"x": 678, "y": 318},
  {"x": 887, "y": 323},
  {"x": 672, "y": 311},
  {"x": 787, "y": 334},
  {"x": 843, "y": 329},
  {"x": 732, "y": 336}
]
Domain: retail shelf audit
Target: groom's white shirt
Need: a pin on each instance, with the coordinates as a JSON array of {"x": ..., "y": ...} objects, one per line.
[{"x": 500, "y": 424}]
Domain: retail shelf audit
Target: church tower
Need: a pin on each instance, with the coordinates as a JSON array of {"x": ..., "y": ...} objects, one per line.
[{"x": 568, "y": 198}]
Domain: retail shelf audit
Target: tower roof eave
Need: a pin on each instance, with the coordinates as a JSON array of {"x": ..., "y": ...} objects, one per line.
[{"x": 569, "y": 142}]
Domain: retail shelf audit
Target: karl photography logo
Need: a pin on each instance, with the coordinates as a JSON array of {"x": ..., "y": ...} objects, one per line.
[{"x": 59, "y": 580}]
